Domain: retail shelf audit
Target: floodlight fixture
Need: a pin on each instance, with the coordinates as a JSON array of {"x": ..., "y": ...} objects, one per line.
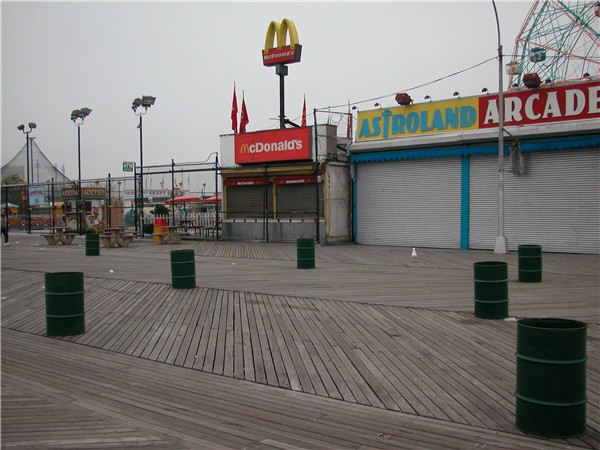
[
  {"x": 148, "y": 101},
  {"x": 136, "y": 104},
  {"x": 403, "y": 99},
  {"x": 32, "y": 125},
  {"x": 140, "y": 107},
  {"x": 21, "y": 127}
]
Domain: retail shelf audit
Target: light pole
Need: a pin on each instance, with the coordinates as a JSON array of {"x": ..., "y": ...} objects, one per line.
[
  {"x": 78, "y": 116},
  {"x": 21, "y": 127},
  {"x": 140, "y": 108},
  {"x": 501, "y": 244}
]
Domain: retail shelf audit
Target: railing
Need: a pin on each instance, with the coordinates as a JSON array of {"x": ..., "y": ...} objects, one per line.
[{"x": 206, "y": 220}]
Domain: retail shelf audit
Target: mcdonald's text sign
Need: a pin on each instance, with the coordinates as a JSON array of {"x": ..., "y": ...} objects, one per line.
[
  {"x": 290, "y": 144},
  {"x": 283, "y": 53}
]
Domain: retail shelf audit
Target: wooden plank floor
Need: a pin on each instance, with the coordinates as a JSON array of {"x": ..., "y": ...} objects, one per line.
[{"x": 435, "y": 364}]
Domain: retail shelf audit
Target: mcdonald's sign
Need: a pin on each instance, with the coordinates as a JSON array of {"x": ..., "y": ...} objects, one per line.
[
  {"x": 282, "y": 53},
  {"x": 290, "y": 144}
]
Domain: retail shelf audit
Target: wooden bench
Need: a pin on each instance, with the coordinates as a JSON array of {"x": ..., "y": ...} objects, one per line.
[
  {"x": 51, "y": 238},
  {"x": 108, "y": 240},
  {"x": 63, "y": 238},
  {"x": 211, "y": 231},
  {"x": 170, "y": 238},
  {"x": 67, "y": 238}
]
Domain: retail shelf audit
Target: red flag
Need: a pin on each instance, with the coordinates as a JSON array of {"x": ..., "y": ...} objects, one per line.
[
  {"x": 304, "y": 112},
  {"x": 243, "y": 117},
  {"x": 234, "y": 111}
]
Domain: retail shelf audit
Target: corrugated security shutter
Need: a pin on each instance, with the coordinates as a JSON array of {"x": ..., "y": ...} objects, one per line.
[
  {"x": 412, "y": 203},
  {"x": 245, "y": 202},
  {"x": 298, "y": 201},
  {"x": 555, "y": 204}
]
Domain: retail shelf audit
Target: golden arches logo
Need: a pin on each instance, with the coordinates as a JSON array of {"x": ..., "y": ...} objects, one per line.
[
  {"x": 281, "y": 30},
  {"x": 244, "y": 149},
  {"x": 283, "y": 53}
]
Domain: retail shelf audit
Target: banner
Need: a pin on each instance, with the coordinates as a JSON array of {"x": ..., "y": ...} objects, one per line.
[
  {"x": 547, "y": 104},
  {"x": 290, "y": 144},
  {"x": 36, "y": 195}
]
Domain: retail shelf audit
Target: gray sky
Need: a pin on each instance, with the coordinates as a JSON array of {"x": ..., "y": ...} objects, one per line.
[{"x": 57, "y": 57}]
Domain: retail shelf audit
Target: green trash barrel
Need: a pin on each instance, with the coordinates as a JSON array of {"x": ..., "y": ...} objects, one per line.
[
  {"x": 183, "y": 269},
  {"x": 92, "y": 244},
  {"x": 530, "y": 263},
  {"x": 551, "y": 371},
  {"x": 65, "y": 315},
  {"x": 305, "y": 250},
  {"x": 491, "y": 289}
]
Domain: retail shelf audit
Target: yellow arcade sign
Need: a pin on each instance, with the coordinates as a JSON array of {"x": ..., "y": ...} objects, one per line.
[{"x": 283, "y": 53}]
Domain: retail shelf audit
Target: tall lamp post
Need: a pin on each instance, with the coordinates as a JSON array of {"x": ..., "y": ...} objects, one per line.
[
  {"x": 501, "y": 244},
  {"x": 140, "y": 108},
  {"x": 78, "y": 116},
  {"x": 21, "y": 127}
]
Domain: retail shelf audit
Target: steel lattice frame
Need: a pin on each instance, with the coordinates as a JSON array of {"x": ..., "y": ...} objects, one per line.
[{"x": 568, "y": 34}]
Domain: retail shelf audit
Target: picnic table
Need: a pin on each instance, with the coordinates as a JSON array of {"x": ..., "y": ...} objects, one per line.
[
  {"x": 173, "y": 235},
  {"x": 188, "y": 225},
  {"x": 59, "y": 235},
  {"x": 117, "y": 236}
]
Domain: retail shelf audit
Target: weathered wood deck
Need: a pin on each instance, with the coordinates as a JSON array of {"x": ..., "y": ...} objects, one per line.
[{"x": 371, "y": 348}]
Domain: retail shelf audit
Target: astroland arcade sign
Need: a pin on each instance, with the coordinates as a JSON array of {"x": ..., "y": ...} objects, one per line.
[{"x": 570, "y": 102}]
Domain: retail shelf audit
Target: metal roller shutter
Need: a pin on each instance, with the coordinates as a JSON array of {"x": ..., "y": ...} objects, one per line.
[
  {"x": 298, "y": 201},
  {"x": 248, "y": 201},
  {"x": 412, "y": 203},
  {"x": 556, "y": 204}
]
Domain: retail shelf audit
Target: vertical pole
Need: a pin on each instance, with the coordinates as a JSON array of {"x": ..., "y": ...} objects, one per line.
[
  {"x": 80, "y": 207},
  {"x": 282, "y": 71},
  {"x": 281, "y": 101},
  {"x": 141, "y": 180},
  {"x": 265, "y": 202},
  {"x": 109, "y": 208},
  {"x": 317, "y": 231},
  {"x": 52, "y": 199},
  {"x": 501, "y": 244},
  {"x": 217, "y": 196},
  {"x": 172, "y": 192},
  {"x": 28, "y": 182},
  {"x": 135, "y": 199}
]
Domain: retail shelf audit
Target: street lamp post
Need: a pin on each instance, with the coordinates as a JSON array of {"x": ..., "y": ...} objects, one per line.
[
  {"x": 140, "y": 108},
  {"x": 21, "y": 127},
  {"x": 78, "y": 116},
  {"x": 501, "y": 244}
]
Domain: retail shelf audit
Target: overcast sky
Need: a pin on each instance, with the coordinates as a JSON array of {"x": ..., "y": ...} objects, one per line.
[{"x": 57, "y": 57}]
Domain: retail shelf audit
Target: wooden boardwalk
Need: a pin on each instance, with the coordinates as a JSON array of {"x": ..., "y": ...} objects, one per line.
[{"x": 371, "y": 349}]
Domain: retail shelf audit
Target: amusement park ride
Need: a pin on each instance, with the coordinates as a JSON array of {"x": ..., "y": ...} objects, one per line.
[{"x": 559, "y": 41}]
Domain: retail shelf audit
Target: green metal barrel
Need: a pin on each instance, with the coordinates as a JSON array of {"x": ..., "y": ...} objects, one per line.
[
  {"x": 183, "y": 269},
  {"x": 491, "y": 289},
  {"x": 65, "y": 314},
  {"x": 92, "y": 244},
  {"x": 305, "y": 250},
  {"x": 551, "y": 377},
  {"x": 530, "y": 263}
]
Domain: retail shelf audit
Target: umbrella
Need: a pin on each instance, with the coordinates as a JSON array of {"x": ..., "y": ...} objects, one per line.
[
  {"x": 212, "y": 199},
  {"x": 184, "y": 199}
]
